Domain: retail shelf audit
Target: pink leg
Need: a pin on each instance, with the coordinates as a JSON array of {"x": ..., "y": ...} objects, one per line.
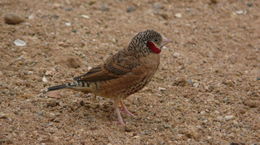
[
  {"x": 119, "y": 117},
  {"x": 125, "y": 110}
]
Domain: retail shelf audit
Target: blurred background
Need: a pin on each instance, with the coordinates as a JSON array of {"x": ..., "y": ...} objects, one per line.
[{"x": 206, "y": 90}]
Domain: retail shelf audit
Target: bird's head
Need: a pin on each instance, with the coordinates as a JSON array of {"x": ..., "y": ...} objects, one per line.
[{"x": 148, "y": 41}]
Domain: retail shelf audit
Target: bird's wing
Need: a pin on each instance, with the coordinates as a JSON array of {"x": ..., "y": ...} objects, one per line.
[{"x": 114, "y": 67}]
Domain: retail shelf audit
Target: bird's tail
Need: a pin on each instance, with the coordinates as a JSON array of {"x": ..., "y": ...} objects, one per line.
[
  {"x": 72, "y": 85},
  {"x": 53, "y": 88}
]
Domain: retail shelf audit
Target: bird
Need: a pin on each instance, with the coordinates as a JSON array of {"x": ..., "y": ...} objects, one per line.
[{"x": 124, "y": 73}]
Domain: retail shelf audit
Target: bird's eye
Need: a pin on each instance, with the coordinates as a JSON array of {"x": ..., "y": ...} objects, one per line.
[{"x": 156, "y": 40}]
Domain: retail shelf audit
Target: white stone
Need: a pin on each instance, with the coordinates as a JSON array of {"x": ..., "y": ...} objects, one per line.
[
  {"x": 31, "y": 16},
  {"x": 19, "y": 42},
  {"x": 136, "y": 136},
  {"x": 229, "y": 117},
  {"x": 44, "y": 79},
  {"x": 178, "y": 15},
  {"x": 240, "y": 12},
  {"x": 161, "y": 89},
  {"x": 202, "y": 112},
  {"x": 196, "y": 85},
  {"x": 176, "y": 54},
  {"x": 85, "y": 16},
  {"x": 68, "y": 24}
]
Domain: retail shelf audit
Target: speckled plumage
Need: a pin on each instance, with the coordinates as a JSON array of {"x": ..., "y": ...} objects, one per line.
[{"x": 122, "y": 74}]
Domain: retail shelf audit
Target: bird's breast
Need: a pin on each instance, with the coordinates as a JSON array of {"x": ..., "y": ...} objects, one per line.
[{"x": 150, "y": 62}]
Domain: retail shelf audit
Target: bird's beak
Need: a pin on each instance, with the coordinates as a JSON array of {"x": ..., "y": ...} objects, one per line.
[{"x": 165, "y": 41}]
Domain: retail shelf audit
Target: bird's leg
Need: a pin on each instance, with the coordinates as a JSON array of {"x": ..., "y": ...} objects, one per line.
[
  {"x": 119, "y": 117},
  {"x": 125, "y": 110}
]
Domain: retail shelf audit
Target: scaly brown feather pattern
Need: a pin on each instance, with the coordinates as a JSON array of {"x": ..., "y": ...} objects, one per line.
[{"x": 122, "y": 75}]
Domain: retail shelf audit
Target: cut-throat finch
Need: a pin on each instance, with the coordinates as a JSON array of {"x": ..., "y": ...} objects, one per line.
[{"x": 124, "y": 73}]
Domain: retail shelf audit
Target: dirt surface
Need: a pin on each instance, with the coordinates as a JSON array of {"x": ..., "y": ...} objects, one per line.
[{"x": 206, "y": 90}]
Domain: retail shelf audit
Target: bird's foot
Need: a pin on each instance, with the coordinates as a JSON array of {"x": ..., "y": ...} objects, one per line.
[
  {"x": 119, "y": 117},
  {"x": 125, "y": 110}
]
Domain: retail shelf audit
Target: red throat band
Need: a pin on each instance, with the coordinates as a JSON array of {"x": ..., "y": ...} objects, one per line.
[{"x": 153, "y": 47}]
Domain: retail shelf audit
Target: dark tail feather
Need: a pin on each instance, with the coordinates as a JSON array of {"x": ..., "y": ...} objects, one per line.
[
  {"x": 68, "y": 85},
  {"x": 53, "y": 88}
]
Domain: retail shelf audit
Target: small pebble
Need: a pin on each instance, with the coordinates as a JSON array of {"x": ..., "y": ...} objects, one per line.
[
  {"x": 213, "y": 2},
  {"x": 31, "y": 16},
  {"x": 251, "y": 103},
  {"x": 44, "y": 79},
  {"x": 73, "y": 62},
  {"x": 166, "y": 126},
  {"x": 13, "y": 19},
  {"x": 196, "y": 85},
  {"x": 163, "y": 15},
  {"x": 68, "y": 24},
  {"x": 68, "y": 9},
  {"x": 180, "y": 82},
  {"x": 249, "y": 4},
  {"x": 229, "y": 83},
  {"x": 53, "y": 104},
  {"x": 29, "y": 72},
  {"x": 229, "y": 117},
  {"x": 158, "y": 5},
  {"x": 240, "y": 12},
  {"x": 40, "y": 113},
  {"x": 19, "y": 42},
  {"x": 55, "y": 16},
  {"x": 82, "y": 103},
  {"x": 127, "y": 129},
  {"x": 146, "y": 132},
  {"x": 162, "y": 89},
  {"x": 202, "y": 112},
  {"x": 48, "y": 73},
  {"x": 190, "y": 82},
  {"x": 178, "y": 15},
  {"x": 136, "y": 136},
  {"x": 104, "y": 7},
  {"x": 3, "y": 116},
  {"x": 130, "y": 9},
  {"x": 91, "y": 3},
  {"x": 176, "y": 55},
  {"x": 85, "y": 16}
]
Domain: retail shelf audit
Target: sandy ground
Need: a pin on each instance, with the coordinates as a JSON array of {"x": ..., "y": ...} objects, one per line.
[{"x": 206, "y": 90}]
